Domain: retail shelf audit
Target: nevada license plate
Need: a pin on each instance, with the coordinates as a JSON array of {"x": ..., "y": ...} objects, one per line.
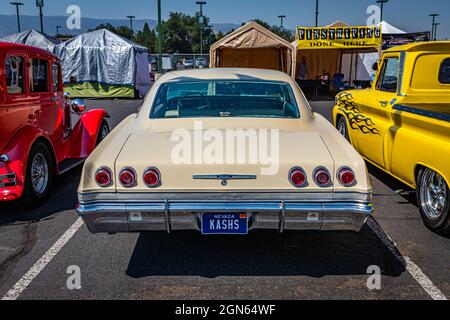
[{"x": 224, "y": 223}]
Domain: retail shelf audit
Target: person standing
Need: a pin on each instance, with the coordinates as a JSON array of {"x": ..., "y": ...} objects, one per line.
[{"x": 302, "y": 70}]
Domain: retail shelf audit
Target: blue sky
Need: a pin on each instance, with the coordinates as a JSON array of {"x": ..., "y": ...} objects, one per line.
[{"x": 409, "y": 15}]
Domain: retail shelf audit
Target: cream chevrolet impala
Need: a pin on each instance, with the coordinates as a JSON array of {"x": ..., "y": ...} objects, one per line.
[{"x": 224, "y": 151}]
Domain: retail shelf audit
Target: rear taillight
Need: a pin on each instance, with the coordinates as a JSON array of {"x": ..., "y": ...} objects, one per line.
[
  {"x": 346, "y": 177},
  {"x": 297, "y": 177},
  {"x": 152, "y": 177},
  {"x": 322, "y": 177},
  {"x": 127, "y": 177},
  {"x": 103, "y": 177}
]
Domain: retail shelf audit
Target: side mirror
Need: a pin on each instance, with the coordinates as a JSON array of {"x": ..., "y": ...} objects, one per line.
[
  {"x": 375, "y": 66},
  {"x": 78, "y": 106}
]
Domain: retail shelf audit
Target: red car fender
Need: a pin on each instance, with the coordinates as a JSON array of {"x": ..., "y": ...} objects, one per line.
[
  {"x": 86, "y": 132},
  {"x": 18, "y": 150}
]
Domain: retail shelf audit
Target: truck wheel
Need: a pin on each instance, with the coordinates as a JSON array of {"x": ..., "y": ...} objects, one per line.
[
  {"x": 102, "y": 132},
  {"x": 433, "y": 196},
  {"x": 342, "y": 128},
  {"x": 39, "y": 176}
]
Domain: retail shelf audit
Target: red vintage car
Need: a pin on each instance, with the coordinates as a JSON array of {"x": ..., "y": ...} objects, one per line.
[{"x": 37, "y": 137}]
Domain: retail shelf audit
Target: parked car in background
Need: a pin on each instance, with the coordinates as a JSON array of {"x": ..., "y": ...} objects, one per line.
[
  {"x": 402, "y": 124},
  {"x": 201, "y": 63},
  {"x": 134, "y": 181},
  {"x": 37, "y": 137},
  {"x": 188, "y": 64}
]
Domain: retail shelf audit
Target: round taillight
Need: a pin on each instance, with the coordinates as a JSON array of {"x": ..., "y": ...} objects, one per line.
[
  {"x": 322, "y": 177},
  {"x": 127, "y": 177},
  {"x": 152, "y": 177},
  {"x": 103, "y": 177},
  {"x": 298, "y": 177},
  {"x": 346, "y": 177}
]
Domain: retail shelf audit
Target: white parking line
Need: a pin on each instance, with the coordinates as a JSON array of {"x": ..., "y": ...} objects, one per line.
[
  {"x": 28, "y": 277},
  {"x": 412, "y": 268}
]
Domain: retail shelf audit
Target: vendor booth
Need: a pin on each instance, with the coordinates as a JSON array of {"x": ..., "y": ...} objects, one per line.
[
  {"x": 103, "y": 64},
  {"x": 253, "y": 46},
  {"x": 327, "y": 57},
  {"x": 33, "y": 38}
]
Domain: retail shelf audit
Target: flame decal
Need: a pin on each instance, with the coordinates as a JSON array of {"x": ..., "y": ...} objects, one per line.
[{"x": 356, "y": 119}]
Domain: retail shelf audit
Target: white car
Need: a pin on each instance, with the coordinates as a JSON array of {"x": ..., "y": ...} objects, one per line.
[{"x": 224, "y": 151}]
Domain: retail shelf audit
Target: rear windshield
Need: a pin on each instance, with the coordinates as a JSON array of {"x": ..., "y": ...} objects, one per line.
[
  {"x": 199, "y": 99},
  {"x": 444, "y": 72}
]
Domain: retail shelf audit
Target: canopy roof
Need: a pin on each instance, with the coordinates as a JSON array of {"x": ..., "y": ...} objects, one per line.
[
  {"x": 387, "y": 28},
  {"x": 33, "y": 38},
  {"x": 100, "y": 39}
]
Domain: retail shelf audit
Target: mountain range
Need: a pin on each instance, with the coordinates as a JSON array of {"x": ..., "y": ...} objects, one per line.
[{"x": 8, "y": 24}]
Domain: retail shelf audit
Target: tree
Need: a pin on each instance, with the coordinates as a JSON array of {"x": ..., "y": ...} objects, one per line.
[{"x": 147, "y": 38}]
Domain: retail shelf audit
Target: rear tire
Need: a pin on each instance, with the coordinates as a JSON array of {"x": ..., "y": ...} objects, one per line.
[
  {"x": 433, "y": 197},
  {"x": 103, "y": 131},
  {"x": 342, "y": 128},
  {"x": 38, "y": 177}
]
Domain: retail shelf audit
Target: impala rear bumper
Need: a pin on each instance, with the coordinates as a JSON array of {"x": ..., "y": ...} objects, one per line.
[{"x": 270, "y": 215}]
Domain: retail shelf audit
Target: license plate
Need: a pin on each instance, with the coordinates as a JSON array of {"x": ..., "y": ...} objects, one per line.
[{"x": 224, "y": 223}]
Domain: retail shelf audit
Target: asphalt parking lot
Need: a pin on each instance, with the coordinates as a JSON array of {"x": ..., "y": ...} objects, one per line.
[{"x": 39, "y": 247}]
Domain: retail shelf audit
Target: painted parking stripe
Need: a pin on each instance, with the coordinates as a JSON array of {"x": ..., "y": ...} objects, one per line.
[
  {"x": 412, "y": 268},
  {"x": 28, "y": 277}
]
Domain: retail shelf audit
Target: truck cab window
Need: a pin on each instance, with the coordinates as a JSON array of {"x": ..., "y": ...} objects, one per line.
[
  {"x": 444, "y": 72},
  {"x": 388, "y": 79},
  {"x": 14, "y": 75},
  {"x": 39, "y": 75}
]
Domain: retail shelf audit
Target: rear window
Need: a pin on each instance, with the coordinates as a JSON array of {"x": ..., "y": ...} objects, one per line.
[
  {"x": 444, "y": 72},
  {"x": 200, "y": 99}
]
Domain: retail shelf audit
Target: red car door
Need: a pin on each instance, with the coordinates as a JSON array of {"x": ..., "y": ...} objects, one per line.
[
  {"x": 41, "y": 99},
  {"x": 15, "y": 105}
]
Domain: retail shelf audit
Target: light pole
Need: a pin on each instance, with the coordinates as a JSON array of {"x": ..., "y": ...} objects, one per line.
[
  {"x": 57, "y": 30},
  {"x": 281, "y": 20},
  {"x": 317, "y": 13},
  {"x": 40, "y": 5},
  {"x": 201, "y": 20},
  {"x": 382, "y": 2},
  {"x": 435, "y": 30},
  {"x": 131, "y": 22},
  {"x": 159, "y": 38},
  {"x": 433, "y": 16},
  {"x": 17, "y": 4}
]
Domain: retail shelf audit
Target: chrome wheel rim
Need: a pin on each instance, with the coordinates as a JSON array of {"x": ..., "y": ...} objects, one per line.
[
  {"x": 39, "y": 173},
  {"x": 433, "y": 190},
  {"x": 341, "y": 128}
]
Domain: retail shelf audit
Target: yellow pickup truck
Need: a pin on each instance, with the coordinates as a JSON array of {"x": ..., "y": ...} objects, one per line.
[{"x": 402, "y": 124}]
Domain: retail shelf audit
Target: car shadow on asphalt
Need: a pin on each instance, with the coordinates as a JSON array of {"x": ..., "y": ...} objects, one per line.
[
  {"x": 392, "y": 183},
  {"x": 63, "y": 196},
  {"x": 263, "y": 253}
]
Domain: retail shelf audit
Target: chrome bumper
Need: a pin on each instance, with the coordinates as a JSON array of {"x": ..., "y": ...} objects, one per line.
[{"x": 170, "y": 216}]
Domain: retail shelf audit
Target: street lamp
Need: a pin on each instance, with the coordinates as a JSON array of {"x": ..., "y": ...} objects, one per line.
[
  {"x": 131, "y": 22},
  {"x": 57, "y": 30},
  {"x": 317, "y": 13},
  {"x": 159, "y": 38},
  {"x": 435, "y": 30},
  {"x": 17, "y": 4},
  {"x": 40, "y": 5},
  {"x": 202, "y": 21},
  {"x": 382, "y": 2},
  {"x": 433, "y": 15},
  {"x": 281, "y": 20}
]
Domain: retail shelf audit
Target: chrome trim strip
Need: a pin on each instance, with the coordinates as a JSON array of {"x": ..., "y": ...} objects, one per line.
[
  {"x": 10, "y": 176},
  {"x": 224, "y": 177},
  {"x": 421, "y": 112},
  {"x": 305, "y": 196}
]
